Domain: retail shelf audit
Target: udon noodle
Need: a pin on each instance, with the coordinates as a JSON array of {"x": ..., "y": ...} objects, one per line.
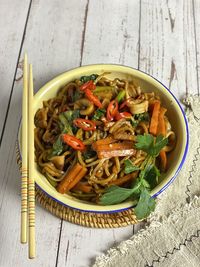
[{"x": 86, "y": 133}]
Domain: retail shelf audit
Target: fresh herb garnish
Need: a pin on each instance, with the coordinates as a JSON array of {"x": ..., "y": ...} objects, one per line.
[
  {"x": 115, "y": 194},
  {"x": 145, "y": 205},
  {"x": 147, "y": 179},
  {"x": 129, "y": 167},
  {"x": 150, "y": 145},
  {"x": 85, "y": 79},
  {"x": 151, "y": 175},
  {"x": 98, "y": 114}
]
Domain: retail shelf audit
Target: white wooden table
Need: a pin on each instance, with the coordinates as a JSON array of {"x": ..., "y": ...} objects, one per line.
[{"x": 161, "y": 37}]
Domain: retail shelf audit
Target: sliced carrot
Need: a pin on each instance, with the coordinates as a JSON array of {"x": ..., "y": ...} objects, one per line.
[
  {"x": 84, "y": 187},
  {"x": 154, "y": 118},
  {"x": 124, "y": 179},
  {"x": 70, "y": 175},
  {"x": 115, "y": 153},
  {"x": 105, "y": 141},
  {"x": 162, "y": 130},
  {"x": 78, "y": 177},
  {"x": 114, "y": 146},
  {"x": 161, "y": 122},
  {"x": 163, "y": 160}
]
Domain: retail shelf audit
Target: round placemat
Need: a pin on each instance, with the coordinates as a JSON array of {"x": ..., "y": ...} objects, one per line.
[{"x": 84, "y": 218}]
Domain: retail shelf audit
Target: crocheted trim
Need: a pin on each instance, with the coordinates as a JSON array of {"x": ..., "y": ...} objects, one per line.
[{"x": 177, "y": 248}]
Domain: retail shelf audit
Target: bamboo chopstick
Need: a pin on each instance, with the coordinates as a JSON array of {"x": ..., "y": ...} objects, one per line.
[
  {"x": 24, "y": 178},
  {"x": 31, "y": 183}
]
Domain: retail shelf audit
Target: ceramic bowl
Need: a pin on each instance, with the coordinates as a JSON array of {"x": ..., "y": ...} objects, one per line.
[{"x": 148, "y": 84}]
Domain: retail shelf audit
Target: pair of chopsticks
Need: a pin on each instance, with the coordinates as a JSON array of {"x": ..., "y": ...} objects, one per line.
[{"x": 27, "y": 178}]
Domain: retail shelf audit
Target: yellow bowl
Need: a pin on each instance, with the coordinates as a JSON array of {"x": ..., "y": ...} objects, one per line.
[{"x": 148, "y": 84}]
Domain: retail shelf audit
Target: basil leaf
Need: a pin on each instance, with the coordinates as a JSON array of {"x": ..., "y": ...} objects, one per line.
[
  {"x": 145, "y": 206},
  {"x": 115, "y": 194},
  {"x": 129, "y": 167}
]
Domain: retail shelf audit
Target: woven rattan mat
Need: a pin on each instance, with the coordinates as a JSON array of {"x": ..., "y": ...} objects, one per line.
[{"x": 89, "y": 219}]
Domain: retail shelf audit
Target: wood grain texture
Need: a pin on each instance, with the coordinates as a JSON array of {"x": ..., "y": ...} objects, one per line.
[
  {"x": 61, "y": 35},
  {"x": 49, "y": 57},
  {"x": 79, "y": 245},
  {"x": 167, "y": 44},
  {"x": 12, "y": 22},
  {"x": 112, "y": 36}
]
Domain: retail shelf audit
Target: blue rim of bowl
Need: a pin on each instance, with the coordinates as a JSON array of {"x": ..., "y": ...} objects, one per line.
[{"x": 164, "y": 187}]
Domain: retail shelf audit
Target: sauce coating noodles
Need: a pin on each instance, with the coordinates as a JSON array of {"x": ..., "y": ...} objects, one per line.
[{"x": 87, "y": 132}]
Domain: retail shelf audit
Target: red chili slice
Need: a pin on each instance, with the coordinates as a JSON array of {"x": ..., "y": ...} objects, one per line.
[
  {"x": 112, "y": 110},
  {"x": 121, "y": 115},
  {"x": 88, "y": 85},
  {"x": 94, "y": 99},
  {"x": 72, "y": 141},
  {"x": 84, "y": 124}
]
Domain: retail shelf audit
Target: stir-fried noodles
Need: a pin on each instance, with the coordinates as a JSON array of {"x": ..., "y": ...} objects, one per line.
[{"x": 85, "y": 137}]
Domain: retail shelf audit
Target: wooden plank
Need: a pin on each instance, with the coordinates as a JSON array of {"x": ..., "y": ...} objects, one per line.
[
  {"x": 111, "y": 36},
  {"x": 79, "y": 246},
  {"x": 196, "y": 10},
  {"x": 12, "y": 20},
  {"x": 53, "y": 46},
  {"x": 167, "y": 44},
  {"x": 112, "y": 33}
]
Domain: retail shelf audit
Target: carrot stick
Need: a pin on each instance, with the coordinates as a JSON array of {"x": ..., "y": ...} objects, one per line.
[
  {"x": 162, "y": 130},
  {"x": 161, "y": 122},
  {"x": 105, "y": 141},
  {"x": 84, "y": 187},
  {"x": 124, "y": 179},
  {"x": 115, "y": 146},
  {"x": 78, "y": 177},
  {"x": 70, "y": 175},
  {"x": 163, "y": 160},
  {"x": 154, "y": 118}
]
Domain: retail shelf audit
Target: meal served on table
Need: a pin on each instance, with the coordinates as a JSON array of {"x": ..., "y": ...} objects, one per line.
[{"x": 104, "y": 140}]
